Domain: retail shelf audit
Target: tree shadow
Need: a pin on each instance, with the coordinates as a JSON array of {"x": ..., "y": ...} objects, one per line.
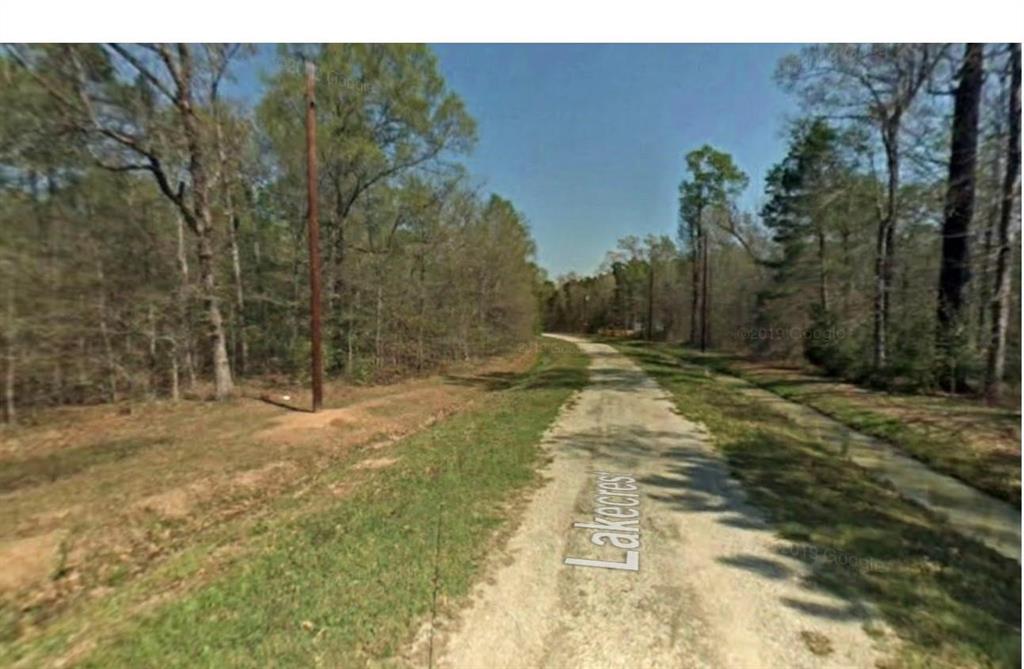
[
  {"x": 772, "y": 569},
  {"x": 856, "y": 538},
  {"x": 266, "y": 399},
  {"x": 549, "y": 378}
]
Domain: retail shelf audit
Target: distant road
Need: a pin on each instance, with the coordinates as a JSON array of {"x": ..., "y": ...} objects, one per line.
[{"x": 640, "y": 551}]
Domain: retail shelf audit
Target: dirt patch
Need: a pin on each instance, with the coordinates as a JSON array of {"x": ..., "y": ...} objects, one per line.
[
  {"x": 29, "y": 561},
  {"x": 172, "y": 504},
  {"x": 262, "y": 476},
  {"x": 127, "y": 490},
  {"x": 390, "y": 416},
  {"x": 179, "y": 503},
  {"x": 376, "y": 463},
  {"x": 816, "y": 642}
]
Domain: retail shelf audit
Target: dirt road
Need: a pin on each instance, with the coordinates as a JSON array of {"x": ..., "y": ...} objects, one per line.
[{"x": 712, "y": 587}]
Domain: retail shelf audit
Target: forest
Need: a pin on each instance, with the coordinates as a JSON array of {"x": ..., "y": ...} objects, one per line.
[
  {"x": 154, "y": 238},
  {"x": 154, "y": 227},
  {"x": 809, "y": 371},
  {"x": 885, "y": 246}
]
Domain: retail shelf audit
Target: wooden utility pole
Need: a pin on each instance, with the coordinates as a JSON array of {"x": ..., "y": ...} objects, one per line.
[{"x": 316, "y": 353}]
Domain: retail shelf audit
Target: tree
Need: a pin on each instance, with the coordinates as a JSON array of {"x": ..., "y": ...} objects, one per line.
[
  {"x": 713, "y": 182},
  {"x": 803, "y": 192},
  {"x": 874, "y": 85},
  {"x": 809, "y": 195},
  {"x": 384, "y": 112},
  {"x": 1008, "y": 213},
  {"x": 959, "y": 209},
  {"x": 102, "y": 286},
  {"x": 139, "y": 109}
]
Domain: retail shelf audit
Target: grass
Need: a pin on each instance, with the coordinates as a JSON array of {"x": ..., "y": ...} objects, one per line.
[
  {"x": 97, "y": 497},
  {"x": 963, "y": 438},
  {"x": 51, "y": 467},
  {"x": 952, "y": 601},
  {"x": 344, "y": 579}
]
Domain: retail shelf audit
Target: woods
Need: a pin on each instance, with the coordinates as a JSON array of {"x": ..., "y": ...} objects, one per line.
[
  {"x": 154, "y": 226},
  {"x": 884, "y": 247},
  {"x": 154, "y": 242}
]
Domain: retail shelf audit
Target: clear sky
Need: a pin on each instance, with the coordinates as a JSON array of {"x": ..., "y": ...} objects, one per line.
[{"x": 588, "y": 140}]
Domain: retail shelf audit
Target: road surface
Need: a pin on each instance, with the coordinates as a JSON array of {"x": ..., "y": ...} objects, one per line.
[{"x": 640, "y": 551}]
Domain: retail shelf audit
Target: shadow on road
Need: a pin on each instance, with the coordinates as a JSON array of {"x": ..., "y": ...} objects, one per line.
[{"x": 858, "y": 539}]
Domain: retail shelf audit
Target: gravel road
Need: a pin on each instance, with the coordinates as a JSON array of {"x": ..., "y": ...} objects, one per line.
[{"x": 712, "y": 586}]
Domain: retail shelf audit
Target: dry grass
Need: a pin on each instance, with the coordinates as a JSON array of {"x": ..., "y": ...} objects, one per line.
[
  {"x": 92, "y": 498},
  {"x": 959, "y": 436}
]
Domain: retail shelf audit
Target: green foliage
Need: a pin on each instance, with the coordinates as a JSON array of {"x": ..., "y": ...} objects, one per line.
[
  {"x": 825, "y": 347},
  {"x": 620, "y": 296},
  {"x": 107, "y": 300},
  {"x": 713, "y": 182},
  {"x": 381, "y": 109}
]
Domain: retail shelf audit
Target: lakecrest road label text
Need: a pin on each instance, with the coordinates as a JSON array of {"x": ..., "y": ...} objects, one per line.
[{"x": 616, "y": 523}]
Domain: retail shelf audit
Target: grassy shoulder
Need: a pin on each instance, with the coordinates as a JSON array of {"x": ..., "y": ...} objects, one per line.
[
  {"x": 963, "y": 438},
  {"x": 952, "y": 601},
  {"x": 96, "y": 498},
  {"x": 342, "y": 575}
]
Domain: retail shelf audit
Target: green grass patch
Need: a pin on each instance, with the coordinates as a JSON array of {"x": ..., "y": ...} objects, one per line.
[
  {"x": 347, "y": 583},
  {"x": 952, "y": 601}
]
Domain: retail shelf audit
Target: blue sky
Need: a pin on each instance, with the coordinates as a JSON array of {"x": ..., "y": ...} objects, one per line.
[{"x": 588, "y": 140}]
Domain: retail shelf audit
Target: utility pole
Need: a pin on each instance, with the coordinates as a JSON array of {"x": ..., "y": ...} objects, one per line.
[{"x": 313, "y": 234}]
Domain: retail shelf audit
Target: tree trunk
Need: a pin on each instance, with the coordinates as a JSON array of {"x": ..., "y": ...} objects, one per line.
[
  {"x": 822, "y": 272},
  {"x": 650, "y": 300},
  {"x": 884, "y": 240},
  {"x": 242, "y": 352},
  {"x": 175, "y": 373},
  {"x": 695, "y": 288},
  {"x": 421, "y": 317},
  {"x": 10, "y": 413},
  {"x": 705, "y": 315},
  {"x": 203, "y": 224},
  {"x": 223, "y": 382},
  {"x": 338, "y": 308},
  {"x": 983, "y": 282},
  {"x": 955, "y": 269},
  {"x": 183, "y": 297},
  {"x": 350, "y": 335},
  {"x": 996, "y": 362},
  {"x": 994, "y": 184},
  {"x": 151, "y": 336},
  {"x": 296, "y": 304},
  {"x": 240, "y": 347},
  {"x": 108, "y": 349},
  {"x": 377, "y": 341}
]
